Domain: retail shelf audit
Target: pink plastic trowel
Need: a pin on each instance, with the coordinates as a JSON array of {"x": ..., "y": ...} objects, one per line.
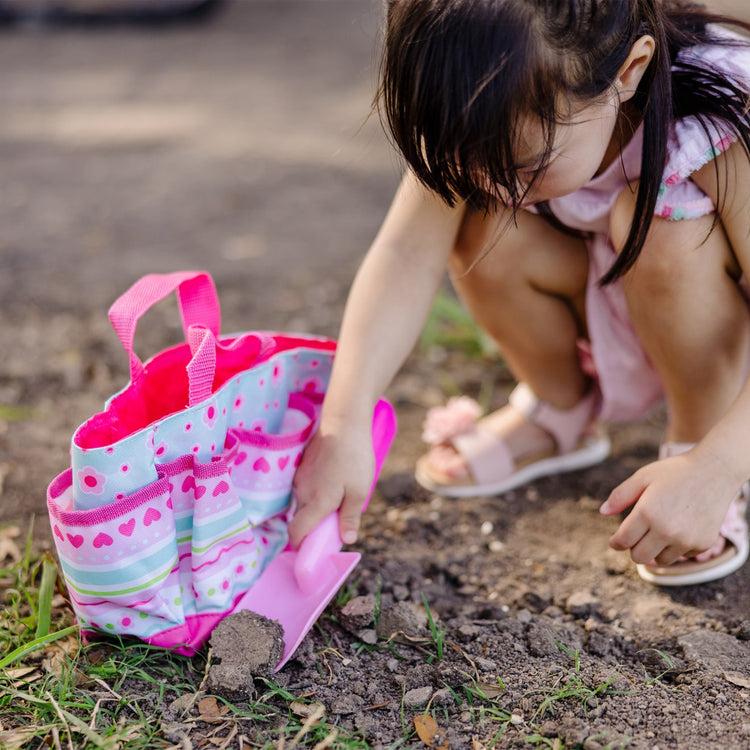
[{"x": 298, "y": 584}]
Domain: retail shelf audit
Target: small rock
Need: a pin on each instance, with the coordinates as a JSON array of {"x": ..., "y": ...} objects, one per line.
[
  {"x": 524, "y": 616},
  {"x": 718, "y": 652},
  {"x": 417, "y": 697},
  {"x": 244, "y": 645},
  {"x": 400, "y": 592},
  {"x": 349, "y": 703},
  {"x": 574, "y": 732},
  {"x": 357, "y": 614},
  {"x": 548, "y": 728},
  {"x": 540, "y": 640},
  {"x": 743, "y": 631},
  {"x": 402, "y": 617},
  {"x": 368, "y": 636},
  {"x": 393, "y": 665},
  {"x": 470, "y": 631},
  {"x": 536, "y": 601},
  {"x": 443, "y": 698},
  {"x": 582, "y": 604},
  {"x": 553, "y": 612},
  {"x": 486, "y": 665}
]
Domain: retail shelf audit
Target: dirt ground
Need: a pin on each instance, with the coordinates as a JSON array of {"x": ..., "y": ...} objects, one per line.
[{"x": 243, "y": 146}]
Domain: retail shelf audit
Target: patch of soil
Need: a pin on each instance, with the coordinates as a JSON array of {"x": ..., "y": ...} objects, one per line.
[{"x": 239, "y": 146}]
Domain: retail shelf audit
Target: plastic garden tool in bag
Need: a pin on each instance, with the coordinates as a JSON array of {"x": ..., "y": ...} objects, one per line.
[{"x": 176, "y": 504}]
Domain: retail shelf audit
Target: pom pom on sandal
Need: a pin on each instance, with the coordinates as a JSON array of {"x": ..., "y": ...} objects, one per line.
[{"x": 457, "y": 417}]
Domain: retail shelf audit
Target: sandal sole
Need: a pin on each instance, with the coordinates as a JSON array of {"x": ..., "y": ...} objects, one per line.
[{"x": 730, "y": 561}]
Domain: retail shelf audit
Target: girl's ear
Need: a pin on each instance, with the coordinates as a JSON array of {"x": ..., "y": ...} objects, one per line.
[{"x": 632, "y": 70}]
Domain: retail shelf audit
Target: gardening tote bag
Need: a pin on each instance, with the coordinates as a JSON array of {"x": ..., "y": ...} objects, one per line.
[{"x": 179, "y": 491}]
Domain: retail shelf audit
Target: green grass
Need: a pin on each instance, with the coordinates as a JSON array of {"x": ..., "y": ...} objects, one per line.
[
  {"x": 571, "y": 686},
  {"x": 56, "y": 692},
  {"x": 437, "y": 631},
  {"x": 450, "y": 326}
]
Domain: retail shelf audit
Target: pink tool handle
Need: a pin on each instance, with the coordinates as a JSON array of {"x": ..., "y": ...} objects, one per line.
[
  {"x": 197, "y": 298},
  {"x": 314, "y": 555}
]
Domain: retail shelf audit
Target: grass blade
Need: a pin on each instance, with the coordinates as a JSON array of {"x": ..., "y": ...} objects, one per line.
[
  {"x": 27, "y": 648},
  {"x": 46, "y": 591}
]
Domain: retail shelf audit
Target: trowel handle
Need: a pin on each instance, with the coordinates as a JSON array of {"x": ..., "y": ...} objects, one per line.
[{"x": 314, "y": 554}]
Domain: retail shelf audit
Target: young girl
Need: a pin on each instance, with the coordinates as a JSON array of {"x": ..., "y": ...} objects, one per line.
[{"x": 581, "y": 169}]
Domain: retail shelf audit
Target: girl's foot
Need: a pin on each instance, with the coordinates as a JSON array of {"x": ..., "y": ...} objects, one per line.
[{"x": 524, "y": 440}]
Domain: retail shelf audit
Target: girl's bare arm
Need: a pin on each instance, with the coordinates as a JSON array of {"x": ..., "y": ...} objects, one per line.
[{"x": 388, "y": 304}]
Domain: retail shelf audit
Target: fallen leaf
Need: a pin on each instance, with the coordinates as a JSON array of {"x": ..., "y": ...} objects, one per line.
[
  {"x": 489, "y": 690},
  {"x": 56, "y": 658},
  {"x": 306, "y": 709},
  {"x": 737, "y": 678},
  {"x": 18, "y": 739},
  {"x": 426, "y": 728},
  {"x": 429, "y": 732},
  {"x": 22, "y": 676},
  {"x": 8, "y": 548},
  {"x": 210, "y": 711},
  {"x": 183, "y": 702}
]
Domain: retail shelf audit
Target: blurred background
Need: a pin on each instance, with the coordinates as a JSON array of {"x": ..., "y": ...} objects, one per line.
[{"x": 139, "y": 137}]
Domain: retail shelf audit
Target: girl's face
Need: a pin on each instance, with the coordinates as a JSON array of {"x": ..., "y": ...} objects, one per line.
[{"x": 582, "y": 148}]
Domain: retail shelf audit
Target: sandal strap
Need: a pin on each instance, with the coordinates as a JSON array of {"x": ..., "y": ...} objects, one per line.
[
  {"x": 487, "y": 456},
  {"x": 566, "y": 426}
]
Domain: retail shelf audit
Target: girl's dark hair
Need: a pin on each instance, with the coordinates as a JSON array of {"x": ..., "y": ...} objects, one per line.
[{"x": 456, "y": 74}]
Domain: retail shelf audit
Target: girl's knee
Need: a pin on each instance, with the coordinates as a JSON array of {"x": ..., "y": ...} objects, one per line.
[
  {"x": 675, "y": 253},
  {"x": 486, "y": 250}
]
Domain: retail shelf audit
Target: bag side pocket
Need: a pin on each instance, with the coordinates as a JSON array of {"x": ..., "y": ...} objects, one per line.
[
  {"x": 262, "y": 464},
  {"x": 120, "y": 562}
]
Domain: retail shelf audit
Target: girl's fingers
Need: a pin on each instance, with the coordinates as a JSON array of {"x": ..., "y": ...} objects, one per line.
[
  {"x": 630, "y": 533},
  {"x": 306, "y": 517},
  {"x": 672, "y": 554},
  {"x": 624, "y": 495},
  {"x": 349, "y": 516},
  {"x": 649, "y": 548}
]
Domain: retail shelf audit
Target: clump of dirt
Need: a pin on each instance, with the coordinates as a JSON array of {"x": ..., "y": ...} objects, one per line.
[{"x": 244, "y": 646}]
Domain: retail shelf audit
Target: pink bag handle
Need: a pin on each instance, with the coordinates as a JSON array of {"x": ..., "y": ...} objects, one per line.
[
  {"x": 197, "y": 299},
  {"x": 202, "y": 367},
  {"x": 203, "y": 343}
]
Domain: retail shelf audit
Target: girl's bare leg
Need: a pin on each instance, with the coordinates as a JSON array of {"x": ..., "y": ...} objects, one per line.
[
  {"x": 693, "y": 320},
  {"x": 525, "y": 285}
]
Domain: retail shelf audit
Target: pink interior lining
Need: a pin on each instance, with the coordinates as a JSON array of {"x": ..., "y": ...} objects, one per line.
[{"x": 164, "y": 389}]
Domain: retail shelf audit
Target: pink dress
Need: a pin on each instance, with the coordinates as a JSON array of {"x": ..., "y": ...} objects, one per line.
[{"x": 629, "y": 384}]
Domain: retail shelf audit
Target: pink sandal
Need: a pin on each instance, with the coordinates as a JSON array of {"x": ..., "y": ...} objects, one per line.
[
  {"x": 712, "y": 564},
  {"x": 493, "y": 469}
]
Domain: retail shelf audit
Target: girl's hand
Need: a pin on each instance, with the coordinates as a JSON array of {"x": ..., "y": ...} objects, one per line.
[
  {"x": 336, "y": 472},
  {"x": 679, "y": 505}
]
